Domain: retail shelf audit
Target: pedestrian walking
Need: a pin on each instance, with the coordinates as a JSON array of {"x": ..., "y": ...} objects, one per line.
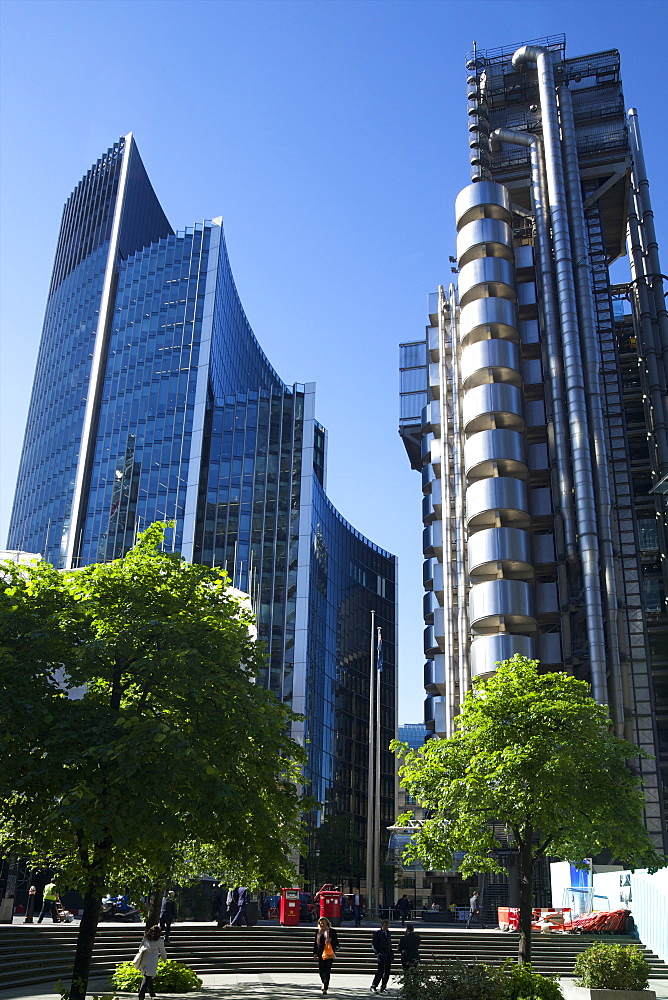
[
  {"x": 232, "y": 904},
  {"x": 216, "y": 904},
  {"x": 404, "y": 907},
  {"x": 409, "y": 948},
  {"x": 325, "y": 947},
  {"x": 240, "y": 917},
  {"x": 381, "y": 942},
  {"x": 168, "y": 914},
  {"x": 50, "y": 903},
  {"x": 151, "y": 950},
  {"x": 357, "y": 907},
  {"x": 474, "y": 910}
]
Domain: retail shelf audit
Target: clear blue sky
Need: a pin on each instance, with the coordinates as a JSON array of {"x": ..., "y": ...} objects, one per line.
[{"x": 331, "y": 136}]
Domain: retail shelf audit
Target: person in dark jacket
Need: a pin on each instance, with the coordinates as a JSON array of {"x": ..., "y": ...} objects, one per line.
[
  {"x": 240, "y": 917},
  {"x": 167, "y": 914},
  {"x": 324, "y": 935},
  {"x": 409, "y": 948},
  {"x": 381, "y": 942},
  {"x": 404, "y": 908},
  {"x": 474, "y": 910},
  {"x": 232, "y": 904}
]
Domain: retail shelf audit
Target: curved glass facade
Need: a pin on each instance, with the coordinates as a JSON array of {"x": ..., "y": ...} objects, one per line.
[{"x": 153, "y": 400}]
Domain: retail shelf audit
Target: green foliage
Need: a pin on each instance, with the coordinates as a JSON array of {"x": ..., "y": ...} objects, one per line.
[
  {"x": 174, "y": 977},
  {"x": 455, "y": 980},
  {"x": 525, "y": 984},
  {"x": 532, "y": 757},
  {"x": 64, "y": 993},
  {"x": 136, "y": 743},
  {"x": 173, "y": 757},
  {"x": 126, "y": 977},
  {"x": 612, "y": 967},
  {"x": 532, "y": 752}
]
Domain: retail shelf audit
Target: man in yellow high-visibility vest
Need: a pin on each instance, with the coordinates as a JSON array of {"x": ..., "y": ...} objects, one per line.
[{"x": 49, "y": 903}]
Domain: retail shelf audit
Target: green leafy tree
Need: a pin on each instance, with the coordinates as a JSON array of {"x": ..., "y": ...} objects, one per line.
[
  {"x": 135, "y": 742},
  {"x": 533, "y": 753}
]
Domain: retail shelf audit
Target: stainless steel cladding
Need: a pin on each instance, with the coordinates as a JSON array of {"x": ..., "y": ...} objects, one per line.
[
  {"x": 496, "y": 404},
  {"x": 484, "y": 277},
  {"x": 505, "y": 549},
  {"x": 500, "y": 585},
  {"x": 491, "y": 361},
  {"x": 488, "y": 319},
  {"x": 583, "y": 477},
  {"x": 501, "y": 606},
  {"x": 487, "y": 650}
]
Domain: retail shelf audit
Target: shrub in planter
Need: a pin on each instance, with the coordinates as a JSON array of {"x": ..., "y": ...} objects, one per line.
[
  {"x": 525, "y": 984},
  {"x": 452, "y": 980},
  {"x": 173, "y": 977},
  {"x": 612, "y": 967}
]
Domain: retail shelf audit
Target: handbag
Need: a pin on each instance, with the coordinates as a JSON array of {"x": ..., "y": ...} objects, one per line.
[
  {"x": 328, "y": 951},
  {"x": 136, "y": 961}
]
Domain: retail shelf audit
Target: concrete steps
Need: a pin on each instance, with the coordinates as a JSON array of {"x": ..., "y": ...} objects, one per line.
[{"x": 38, "y": 954}]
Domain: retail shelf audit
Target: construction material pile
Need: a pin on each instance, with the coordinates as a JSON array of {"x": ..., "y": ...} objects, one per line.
[{"x": 604, "y": 921}]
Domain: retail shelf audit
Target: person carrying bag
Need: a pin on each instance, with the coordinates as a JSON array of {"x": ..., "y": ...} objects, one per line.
[
  {"x": 146, "y": 960},
  {"x": 325, "y": 946}
]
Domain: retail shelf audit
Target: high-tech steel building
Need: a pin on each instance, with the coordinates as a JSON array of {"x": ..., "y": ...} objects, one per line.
[
  {"x": 154, "y": 401},
  {"x": 536, "y": 407}
]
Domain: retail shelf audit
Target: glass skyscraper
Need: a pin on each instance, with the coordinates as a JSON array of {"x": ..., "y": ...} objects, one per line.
[{"x": 154, "y": 401}]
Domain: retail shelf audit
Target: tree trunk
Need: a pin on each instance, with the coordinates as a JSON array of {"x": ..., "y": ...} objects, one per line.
[
  {"x": 89, "y": 920},
  {"x": 155, "y": 902},
  {"x": 526, "y": 895}
]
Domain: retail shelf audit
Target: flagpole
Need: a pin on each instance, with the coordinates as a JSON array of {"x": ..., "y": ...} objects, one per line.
[
  {"x": 377, "y": 828},
  {"x": 370, "y": 812}
]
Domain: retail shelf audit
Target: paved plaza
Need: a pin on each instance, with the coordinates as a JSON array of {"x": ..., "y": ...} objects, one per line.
[{"x": 257, "y": 987}]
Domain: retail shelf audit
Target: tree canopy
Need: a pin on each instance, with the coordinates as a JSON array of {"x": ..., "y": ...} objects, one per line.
[
  {"x": 534, "y": 755},
  {"x": 133, "y": 736}
]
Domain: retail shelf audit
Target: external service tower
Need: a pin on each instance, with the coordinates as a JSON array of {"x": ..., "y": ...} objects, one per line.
[{"x": 536, "y": 408}]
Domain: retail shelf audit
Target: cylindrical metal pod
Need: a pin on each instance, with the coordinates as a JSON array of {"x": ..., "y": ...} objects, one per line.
[
  {"x": 508, "y": 549},
  {"x": 485, "y": 238},
  {"x": 501, "y": 605},
  {"x": 502, "y": 497},
  {"x": 495, "y": 404},
  {"x": 485, "y": 277},
  {"x": 488, "y": 319},
  {"x": 491, "y": 361},
  {"x": 484, "y": 200},
  {"x": 488, "y": 650},
  {"x": 496, "y": 451}
]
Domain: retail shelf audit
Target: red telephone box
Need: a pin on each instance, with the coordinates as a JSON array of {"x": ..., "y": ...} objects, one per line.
[
  {"x": 330, "y": 905},
  {"x": 288, "y": 910}
]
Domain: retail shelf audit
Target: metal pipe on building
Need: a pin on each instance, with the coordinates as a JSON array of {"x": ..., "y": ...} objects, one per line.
[
  {"x": 550, "y": 325},
  {"x": 583, "y": 478},
  {"x": 592, "y": 370},
  {"x": 646, "y": 219},
  {"x": 446, "y": 506},
  {"x": 464, "y": 676}
]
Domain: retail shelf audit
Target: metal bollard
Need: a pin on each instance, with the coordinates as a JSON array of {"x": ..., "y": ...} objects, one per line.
[{"x": 30, "y": 909}]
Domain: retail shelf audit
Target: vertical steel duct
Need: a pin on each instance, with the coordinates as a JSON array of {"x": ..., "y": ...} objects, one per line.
[
  {"x": 464, "y": 676},
  {"x": 575, "y": 388},
  {"x": 549, "y": 317},
  {"x": 593, "y": 364},
  {"x": 446, "y": 485}
]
